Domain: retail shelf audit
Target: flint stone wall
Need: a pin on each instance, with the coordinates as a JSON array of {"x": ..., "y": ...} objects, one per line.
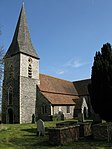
[
  {"x": 66, "y": 124},
  {"x": 102, "y": 131},
  {"x": 84, "y": 128},
  {"x": 64, "y": 135}
]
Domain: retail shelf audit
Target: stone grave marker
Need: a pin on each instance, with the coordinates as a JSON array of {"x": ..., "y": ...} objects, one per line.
[{"x": 40, "y": 128}]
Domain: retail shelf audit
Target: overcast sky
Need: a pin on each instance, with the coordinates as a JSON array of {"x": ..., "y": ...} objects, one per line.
[{"x": 65, "y": 33}]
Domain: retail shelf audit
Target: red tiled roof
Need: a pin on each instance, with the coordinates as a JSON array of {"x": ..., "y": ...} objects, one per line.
[
  {"x": 60, "y": 99},
  {"x": 55, "y": 85},
  {"x": 57, "y": 91}
]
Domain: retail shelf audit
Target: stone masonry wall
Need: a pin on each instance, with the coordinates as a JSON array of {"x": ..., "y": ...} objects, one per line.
[
  {"x": 24, "y": 63},
  {"x": 27, "y": 99},
  {"x": 28, "y": 87},
  {"x": 61, "y": 136},
  {"x": 11, "y": 79},
  {"x": 42, "y": 101},
  {"x": 102, "y": 131}
]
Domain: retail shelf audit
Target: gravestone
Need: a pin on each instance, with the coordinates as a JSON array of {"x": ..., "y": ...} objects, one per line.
[
  {"x": 61, "y": 115},
  {"x": 33, "y": 118},
  {"x": 40, "y": 128}
]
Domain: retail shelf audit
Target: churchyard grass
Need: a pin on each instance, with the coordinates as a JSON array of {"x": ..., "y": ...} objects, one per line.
[{"x": 23, "y": 136}]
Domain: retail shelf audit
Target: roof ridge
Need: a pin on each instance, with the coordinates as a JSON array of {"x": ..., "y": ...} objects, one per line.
[
  {"x": 55, "y": 77},
  {"x": 62, "y": 93},
  {"x": 82, "y": 80}
]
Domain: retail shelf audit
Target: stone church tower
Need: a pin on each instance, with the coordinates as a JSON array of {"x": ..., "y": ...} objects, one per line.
[{"x": 21, "y": 76}]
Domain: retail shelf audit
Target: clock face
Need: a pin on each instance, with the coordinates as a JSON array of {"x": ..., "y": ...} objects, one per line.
[{"x": 30, "y": 60}]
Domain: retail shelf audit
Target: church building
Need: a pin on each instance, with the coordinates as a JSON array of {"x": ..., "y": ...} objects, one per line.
[{"x": 26, "y": 92}]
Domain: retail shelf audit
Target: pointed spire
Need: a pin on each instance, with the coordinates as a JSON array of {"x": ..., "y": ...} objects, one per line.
[{"x": 21, "y": 42}]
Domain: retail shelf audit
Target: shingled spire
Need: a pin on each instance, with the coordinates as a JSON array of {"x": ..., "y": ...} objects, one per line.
[{"x": 21, "y": 42}]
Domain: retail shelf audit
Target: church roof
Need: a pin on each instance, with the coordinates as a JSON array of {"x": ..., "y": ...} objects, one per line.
[
  {"x": 56, "y": 85},
  {"x": 60, "y": 99},
  {"x": 58, "y": 91},
  {"x": 82, "y": 87},
  {"x": 21, "y": 42}
]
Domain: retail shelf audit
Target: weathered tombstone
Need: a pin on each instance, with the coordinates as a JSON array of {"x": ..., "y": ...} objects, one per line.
[
  {"x": 40, "y": 128},
  {"x": 61, "y": 115},
  {"x": 33, "y": 118}
]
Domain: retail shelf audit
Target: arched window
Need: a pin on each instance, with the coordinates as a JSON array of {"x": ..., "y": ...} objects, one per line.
[
  {"x": 30, "y": 71},
  {"x": 10, "y": 96}
]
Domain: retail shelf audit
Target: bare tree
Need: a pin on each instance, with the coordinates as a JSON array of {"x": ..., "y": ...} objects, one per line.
[{"x": 1, "y": 72}]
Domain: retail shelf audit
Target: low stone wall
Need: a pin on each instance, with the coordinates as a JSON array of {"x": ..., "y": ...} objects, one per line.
[
  {"x": 63, "y": 135},
  {"x": 84, "y": 128},
  {"x": 102, "y": 131},
  {"x": 66, "y": 124}
]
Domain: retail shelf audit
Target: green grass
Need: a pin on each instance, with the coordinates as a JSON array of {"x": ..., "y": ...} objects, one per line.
[{"x": 23, "y": 136}]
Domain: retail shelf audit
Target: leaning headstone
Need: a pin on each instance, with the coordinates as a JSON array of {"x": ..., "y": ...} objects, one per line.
[{"x": 40, "y": 128}]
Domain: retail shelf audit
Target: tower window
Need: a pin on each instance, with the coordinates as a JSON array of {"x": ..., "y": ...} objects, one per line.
[
  {"x": 10, "y": 96},
  {"x": 30, "y": 71},
  {"x": 30, "y": 60}
]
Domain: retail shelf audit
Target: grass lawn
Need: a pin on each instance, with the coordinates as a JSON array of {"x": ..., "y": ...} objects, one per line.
[{"x": 23, "y": 136}]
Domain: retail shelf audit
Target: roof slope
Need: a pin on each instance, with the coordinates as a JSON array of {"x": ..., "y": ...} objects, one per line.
[
  {"x": 55, "y": 85},
  {"x": 60, "y": 99},
  {"x": 82, "y": 86},
  {"x": 21, "y": 42},
  {"x": 57, "y": 91}
]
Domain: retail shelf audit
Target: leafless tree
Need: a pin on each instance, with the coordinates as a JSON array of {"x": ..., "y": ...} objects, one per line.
[{"x": 1, "y": 71}]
